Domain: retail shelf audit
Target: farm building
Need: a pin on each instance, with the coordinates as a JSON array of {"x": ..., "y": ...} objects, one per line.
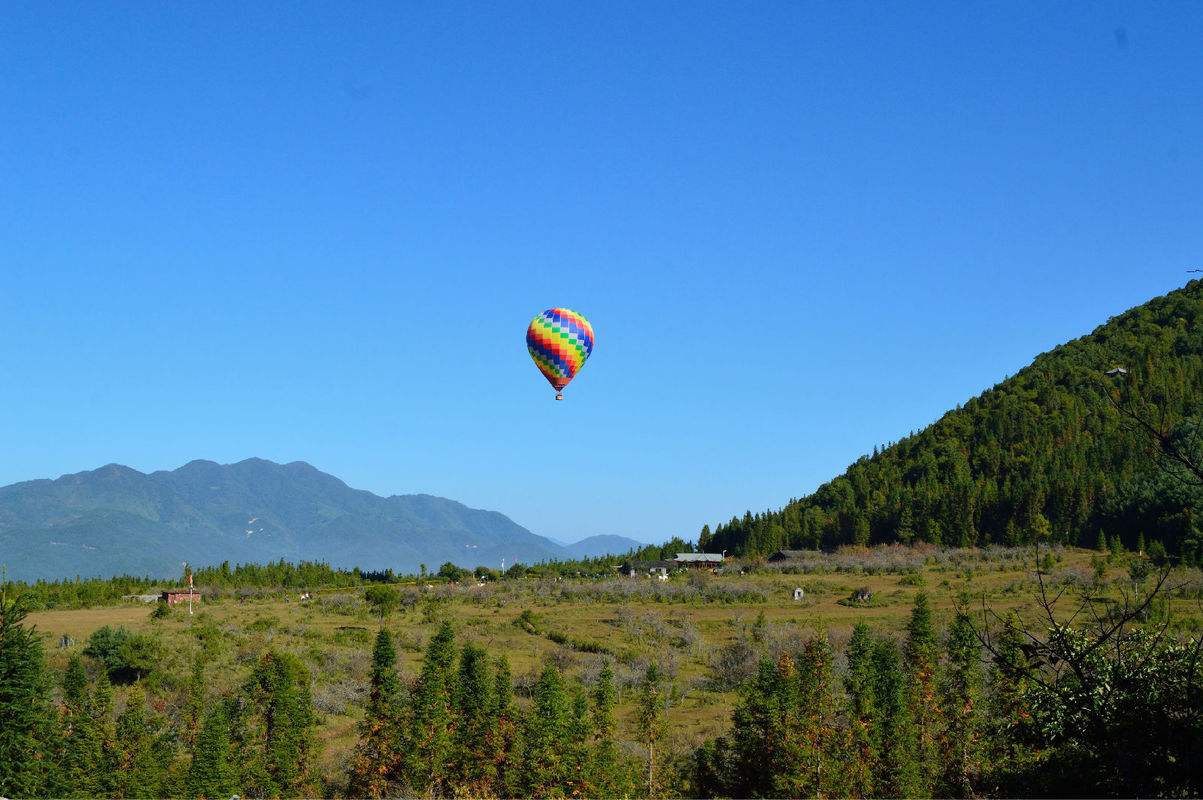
[
  {"x": 637, "y": 568},
  {"x": 698, "y": 560},
  {"x": 176, "y": 596}
]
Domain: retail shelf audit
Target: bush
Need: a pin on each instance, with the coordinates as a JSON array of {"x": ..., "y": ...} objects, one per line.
[
  {"x": 126, "y": 656},
  {"x": 383, "y": 598}
]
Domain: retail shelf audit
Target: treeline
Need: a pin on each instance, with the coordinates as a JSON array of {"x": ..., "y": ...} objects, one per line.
[
  {"x": 84, "y": 592},
  {"x": 1048, "y": 455},
  {"x": 216, "y": 581}
]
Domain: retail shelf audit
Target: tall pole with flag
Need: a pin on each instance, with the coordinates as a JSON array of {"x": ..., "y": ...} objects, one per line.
[{"x": 188, "y": 575}]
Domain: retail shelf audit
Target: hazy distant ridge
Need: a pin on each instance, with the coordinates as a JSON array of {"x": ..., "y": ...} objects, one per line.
[{"x": 118, "y": 520}]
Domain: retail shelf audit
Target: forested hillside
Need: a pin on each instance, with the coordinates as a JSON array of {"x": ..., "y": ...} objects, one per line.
[{"x": 1045, "y": 455}]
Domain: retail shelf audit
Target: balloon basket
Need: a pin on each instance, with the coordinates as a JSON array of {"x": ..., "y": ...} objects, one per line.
[{"x": 559, "y": 395}]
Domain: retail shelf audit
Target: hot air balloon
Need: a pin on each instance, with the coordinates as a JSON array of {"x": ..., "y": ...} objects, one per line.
[{"x": 559, "y": 340}]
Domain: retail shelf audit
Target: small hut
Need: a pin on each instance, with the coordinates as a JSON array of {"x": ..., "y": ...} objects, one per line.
[
  {"x": 798, "y": 593},
  {"x": 173, "y": 597}
]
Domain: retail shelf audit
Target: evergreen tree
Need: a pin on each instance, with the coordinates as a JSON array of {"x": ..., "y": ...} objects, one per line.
[
  {"x": 75, "y": 685},
  {"x": 578, "y": 779},
  {"x": 81, "y": 761},
  {"x": 427, "y": 740},
  {"x": 897, "y": 773},
  {"x": 860, "y": 685},
  {"x": 377, "y": 756},
  {"x": 817, "y": 719},
  {"x": 906, "y": 525},
  {"x": 100, "y": 709},
  {"x": 961, "y": 687},
  {"x": 544, "y": 735},
  {"x": 1101, "y": 544},
  {"x": 1009, "y": 716},
  {"x": 278, "y": 691},
  {"x": 1117, "y": 545},
  {"x": 210, "y": 776},
  {"x": 25, "y": 713},
  {"x": 475, "y": 723},
  {"x": 504, "y": 741},
  {"x": 759, "y": 722},
  {"x": 141, "y": 761},
  {"x": 608, "y": 772},
  {"x": 922, "y": 653},
  {"x": 651, "y": 723},
  {"x": 194, "y": 705}
]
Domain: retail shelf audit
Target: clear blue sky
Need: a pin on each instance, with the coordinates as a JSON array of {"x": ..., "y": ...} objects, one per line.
[{"x": 318, "y": 232}]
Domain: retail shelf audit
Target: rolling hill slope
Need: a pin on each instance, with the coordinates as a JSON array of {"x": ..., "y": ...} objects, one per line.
[{"x": 1044, "y": 455}]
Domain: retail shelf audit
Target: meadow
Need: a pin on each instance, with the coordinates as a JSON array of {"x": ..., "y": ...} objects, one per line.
[{"x": 706, "y": 632}]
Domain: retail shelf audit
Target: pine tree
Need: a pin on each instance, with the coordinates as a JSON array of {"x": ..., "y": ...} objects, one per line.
[
  {"x": 818, "y": 718},
  {"x": 759, "y": 725},
  {"x": 210, "y": 776},
  {"x": 1039, "y": 529},
  {"x": 1101, "y": 544},
  {"x": 1117, "y": 545},
  {"x": 83, "y": 770},
  {"x": 609, "y": 775},
  {"x": 278, "y": 691},
  {"x": 544, "y": 736},
  {"x": 1008, "y": 716},
  {"x": 859, "y": 683},
  {"x": 75, "y": 685},
  {"x": 25, "y": 713},
  {"x": 140, "y": 765},
  {"x": 577, "y": 776},
  {"x": 897, "y": 773},
  {"x": 651, "y": 723},
  {"x": 922, "y": 652},
  {"x": 906, "y": 525},
  {"x": 194, "y": 707},
  {"x": 960, "y": 691},
  {"x": 475, "y": 724},
  {"x": 427, "y": 742},
  {"x": 504, "y": 742},
  {"x": 377, "y": 756}
]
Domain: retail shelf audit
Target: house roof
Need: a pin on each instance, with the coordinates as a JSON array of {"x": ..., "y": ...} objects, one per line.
[{"x": 706, "y": 557}]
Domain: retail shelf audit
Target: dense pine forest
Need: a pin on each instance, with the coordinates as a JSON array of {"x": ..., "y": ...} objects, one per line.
[{"x": 1057, "y": 453}]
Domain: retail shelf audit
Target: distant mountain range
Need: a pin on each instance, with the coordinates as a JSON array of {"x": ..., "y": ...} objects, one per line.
[
  {"x": 116, "y": 520},
  {"x": 606, "y": 544}
]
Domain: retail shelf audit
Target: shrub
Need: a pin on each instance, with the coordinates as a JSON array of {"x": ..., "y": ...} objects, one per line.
[{"x": 126, "y": 656}]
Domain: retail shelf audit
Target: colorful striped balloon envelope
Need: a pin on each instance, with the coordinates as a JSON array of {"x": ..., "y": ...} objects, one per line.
[{"x": 559, "y": 340}]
